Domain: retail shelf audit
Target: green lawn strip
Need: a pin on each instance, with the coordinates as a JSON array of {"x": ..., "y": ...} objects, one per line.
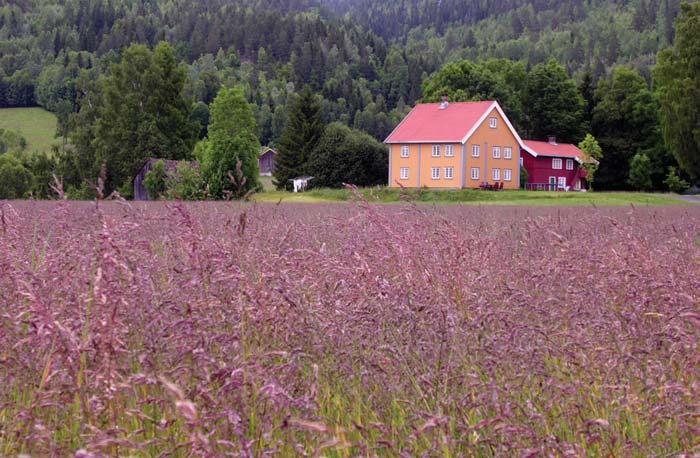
[
  {"x": 36, "y": 125},
  {"x": 468, "y": 196}
]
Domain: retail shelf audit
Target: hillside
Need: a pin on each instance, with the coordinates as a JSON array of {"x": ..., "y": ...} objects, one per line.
[{"x": 36, "y": 125}]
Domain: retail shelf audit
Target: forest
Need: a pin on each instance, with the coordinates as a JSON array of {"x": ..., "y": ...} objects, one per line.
[{"x": 366, "y": 61}]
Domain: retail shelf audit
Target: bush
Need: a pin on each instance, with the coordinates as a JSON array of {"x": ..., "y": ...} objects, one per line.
[
  {"x": 186, "y": 183},
  {"x": 15, "y": 179},
  {"x": 155, "y": 180},
  {"x": 674, "y": 182},
  {"x": 640, "y": 172},
  {"x": 345, "y": 155}
]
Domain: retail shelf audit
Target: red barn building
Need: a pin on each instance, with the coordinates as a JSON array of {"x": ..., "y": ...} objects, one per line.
[{"x": 553, "y": 166}]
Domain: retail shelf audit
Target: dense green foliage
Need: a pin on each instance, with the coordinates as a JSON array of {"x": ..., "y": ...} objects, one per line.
[
  {"x": 625, "y": 123},
  {"x": 15, "y": 179},
  {"x": 143, "y": 114},
  {"x": 230, "y": 159},
  {"x": 348, "y": 156},
  {"x": 554, "y": 105},
  {"x": 640, "y": 172},
  {"x": 155, "y": 181},
  {"x": 592, "y": 149},
  {"x": 11, "y": 141},
  {"x": 677, "y": 78}
]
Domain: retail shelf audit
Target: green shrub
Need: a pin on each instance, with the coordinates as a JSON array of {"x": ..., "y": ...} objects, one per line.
[{"x": 674, "y": 182}]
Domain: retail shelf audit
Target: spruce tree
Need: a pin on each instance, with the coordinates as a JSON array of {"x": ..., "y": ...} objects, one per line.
[{"x": 301, "y": 134}]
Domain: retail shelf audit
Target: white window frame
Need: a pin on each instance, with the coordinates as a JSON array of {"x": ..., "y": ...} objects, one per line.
[
  {"x": 507, "y": 152},
  {"x": 496, "y": 174},
  {"x": 522, "y": 161},
  {"x": 507, "y": 174},
  {"x": 475, "y": 173},
  {"x": 404, "y": 173},
  {"x": 449, "y": 173},
  {"x": 435, "y": 173},
  {"x": 569, "y": 164},
  {"x": 561, "y": 183},
  {"x": 552, "y": 184},
  {"x": 496, "y": 152},
  {"x": 556, "y": 163},
  {"x": 476, "y": 150},
  {"x": 449, "y": 150},
  {"x": 493, "y": 122},
  {"x": 405, "y": 151},
  {"x": 436, "y": 150}
]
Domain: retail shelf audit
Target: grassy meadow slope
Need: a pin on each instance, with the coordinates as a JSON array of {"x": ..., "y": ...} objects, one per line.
[{"x": 37, "y": 125}]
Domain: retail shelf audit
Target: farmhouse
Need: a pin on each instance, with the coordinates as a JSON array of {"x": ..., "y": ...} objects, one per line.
[
  {"x": 554, "y": 166},
  {"x": 455, "y": 145},
  {"x": 266, "y": 161}
]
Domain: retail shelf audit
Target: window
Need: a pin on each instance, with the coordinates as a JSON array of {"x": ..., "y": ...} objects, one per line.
[
  {"x": 436, "y": 150},
  {"x": 521, "y": 161},
  {"x": 496, "y": 174},
  {"x": 449, "y": 150},
  {"x": 476, "y": 151},
  {"x": 556, "y": 164},
  {"x": 475, "y": 173},
  {"x": 507, "y": 174},
  {"x": 404, "y": 173},
  {"x": 493, "y": 123},
  {"x": 569, "y": 164},
  {"x": 496, "y": 152},
  {"x": 449, "y": 173},
  {"x": 435, "y": 173},
  {"x": 562, "y": 182},
  {"x": 508, "y": 152},
  {"x": 404, "y": 151}
]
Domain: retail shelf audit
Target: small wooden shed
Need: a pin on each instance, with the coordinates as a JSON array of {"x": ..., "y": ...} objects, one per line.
[
  {"x": 266, "y": 161},
  {"x": 140, "y": 191}
]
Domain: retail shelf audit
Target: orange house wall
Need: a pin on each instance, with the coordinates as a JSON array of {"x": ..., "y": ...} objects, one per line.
[
  {"x": 487, "y": 138},
  {"x": 484, "y": 136}
]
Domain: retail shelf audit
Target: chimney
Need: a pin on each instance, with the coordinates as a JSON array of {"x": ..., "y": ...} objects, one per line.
[
  {"x": 445, "y": 102},
  {"x": 552, "y": 139}
]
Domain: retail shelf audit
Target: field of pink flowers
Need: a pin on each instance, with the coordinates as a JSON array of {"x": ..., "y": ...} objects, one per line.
[{"x": 219, "y": 329}]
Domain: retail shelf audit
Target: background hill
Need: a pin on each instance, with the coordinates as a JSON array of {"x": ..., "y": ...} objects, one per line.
[{"x": 367, "y": 61}]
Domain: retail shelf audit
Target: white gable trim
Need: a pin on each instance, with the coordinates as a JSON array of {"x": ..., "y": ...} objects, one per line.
[{"x": 481, "y": 120}]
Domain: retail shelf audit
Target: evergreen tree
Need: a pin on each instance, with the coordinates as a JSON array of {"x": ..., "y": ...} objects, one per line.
[
  {"x": 143, "y": 114},
  {"x": 232, "y": 142},
  {"x": 301, "y": 134},
  {"x": 554, "y": 105},
  {"x": 677, "y": 78}
]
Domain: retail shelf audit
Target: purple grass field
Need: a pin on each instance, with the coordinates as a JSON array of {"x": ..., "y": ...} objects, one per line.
[{"x": 218, "y": 329}]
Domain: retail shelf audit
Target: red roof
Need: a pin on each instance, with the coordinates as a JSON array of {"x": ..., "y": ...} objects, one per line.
[
  {"x": 427, "y": 123},
  {"x": 547, "y": 149}
]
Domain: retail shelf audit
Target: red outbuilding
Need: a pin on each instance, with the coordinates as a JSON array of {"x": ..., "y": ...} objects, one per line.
[{"x": 553, "y": 166}]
